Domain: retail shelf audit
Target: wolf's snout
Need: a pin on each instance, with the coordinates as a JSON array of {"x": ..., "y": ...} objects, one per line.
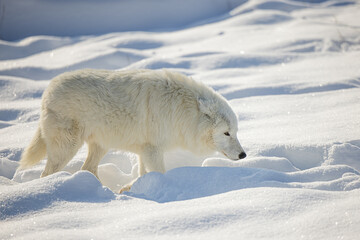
[{"x": 242, "y": 155}]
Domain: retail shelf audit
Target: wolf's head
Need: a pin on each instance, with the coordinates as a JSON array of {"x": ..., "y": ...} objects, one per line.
[{"x": 223, "y": 127}]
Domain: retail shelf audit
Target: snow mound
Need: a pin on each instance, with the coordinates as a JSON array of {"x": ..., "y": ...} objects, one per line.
[
  {"x": 273, "y": 163},
  {"x": 195, "y": 182},
  {"x": 8, "y": 168},
  {"x": 83, "y": 186},
  {"x": 345, "y": 153}
]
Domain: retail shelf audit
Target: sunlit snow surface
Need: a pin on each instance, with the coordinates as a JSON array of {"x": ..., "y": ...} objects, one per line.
[{"x": 291, "y": 71}]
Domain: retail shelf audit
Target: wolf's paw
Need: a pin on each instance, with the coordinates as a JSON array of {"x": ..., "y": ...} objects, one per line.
[{"x": 125, "y": 189}]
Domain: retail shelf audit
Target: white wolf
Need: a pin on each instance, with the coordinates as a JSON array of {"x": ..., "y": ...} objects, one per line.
[{"x": 146, "y": 112}]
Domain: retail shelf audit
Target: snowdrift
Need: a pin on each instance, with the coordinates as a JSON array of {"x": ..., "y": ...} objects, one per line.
[
  {"x": 188, "y": 183},
  {"x": 39, "y": 194}
]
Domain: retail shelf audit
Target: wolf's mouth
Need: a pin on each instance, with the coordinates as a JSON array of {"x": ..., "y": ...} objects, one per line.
[{"x": 228, "y": 156}]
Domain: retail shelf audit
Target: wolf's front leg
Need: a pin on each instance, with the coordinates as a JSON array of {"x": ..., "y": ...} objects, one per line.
[{"x": 151, "y": 160}]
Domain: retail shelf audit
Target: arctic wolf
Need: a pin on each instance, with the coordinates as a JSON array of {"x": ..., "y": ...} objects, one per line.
[{"x": 145, "y": 112}]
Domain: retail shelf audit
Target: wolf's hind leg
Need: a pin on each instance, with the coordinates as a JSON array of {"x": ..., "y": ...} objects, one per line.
[
  {"x": 61, "y": 147},
  {"x": 95, "y": 154}
]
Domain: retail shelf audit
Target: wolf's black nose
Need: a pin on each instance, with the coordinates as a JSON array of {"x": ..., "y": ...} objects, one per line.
[{"x": 242, "y": 155}]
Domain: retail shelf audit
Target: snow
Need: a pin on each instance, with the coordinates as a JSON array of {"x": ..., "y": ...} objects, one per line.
[
  {"x": 290, "y": 70},
  {"x": 74, "y": 18}
]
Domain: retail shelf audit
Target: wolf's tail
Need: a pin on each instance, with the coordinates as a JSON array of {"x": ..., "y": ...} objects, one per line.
[{"x": 34, "y": 152}]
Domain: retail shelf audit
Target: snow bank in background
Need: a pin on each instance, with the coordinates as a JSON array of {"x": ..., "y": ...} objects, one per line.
[{"x": 78, "y": 17}]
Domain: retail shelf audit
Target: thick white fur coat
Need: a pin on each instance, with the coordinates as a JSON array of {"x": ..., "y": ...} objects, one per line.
[{"x": 143, "y": 111}]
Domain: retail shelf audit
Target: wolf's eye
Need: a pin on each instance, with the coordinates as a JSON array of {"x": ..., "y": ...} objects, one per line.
[{"x": 227, "y": 134}]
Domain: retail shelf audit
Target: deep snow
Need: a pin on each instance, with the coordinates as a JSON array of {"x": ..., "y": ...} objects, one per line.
[{"x": 290, "y": 70}]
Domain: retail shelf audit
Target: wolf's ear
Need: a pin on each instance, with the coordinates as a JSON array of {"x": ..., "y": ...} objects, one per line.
[{"x": 206, "y": 106}]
